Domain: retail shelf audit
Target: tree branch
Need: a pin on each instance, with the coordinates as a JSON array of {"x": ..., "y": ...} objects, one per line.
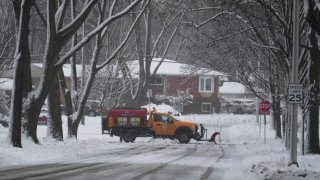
[
  {"x": 95, "y": 32},
  {"x": 42, "y": 18},
  {"x": 125, "y": 39}
]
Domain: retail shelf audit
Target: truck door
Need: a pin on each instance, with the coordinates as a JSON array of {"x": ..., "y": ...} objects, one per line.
[{"x": 163, "y": 125}]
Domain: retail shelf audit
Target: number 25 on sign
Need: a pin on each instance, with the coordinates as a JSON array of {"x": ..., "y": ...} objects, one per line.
[{"x": 295, "y": 94}]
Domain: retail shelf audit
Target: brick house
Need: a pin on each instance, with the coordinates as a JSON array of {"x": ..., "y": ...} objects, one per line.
[
  {"x": 36, "y": 73},
  {"x": 173, "y": 77}
]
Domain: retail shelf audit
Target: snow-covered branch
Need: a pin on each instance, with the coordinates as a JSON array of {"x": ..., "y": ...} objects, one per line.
[
  {"x": 74, "y": 25},
  {"x": 98, "y": 29},
  {"x": 116, "y": 51}
]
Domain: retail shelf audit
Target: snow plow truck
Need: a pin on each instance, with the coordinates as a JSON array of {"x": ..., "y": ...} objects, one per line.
[{"x": 131, "y": 123}]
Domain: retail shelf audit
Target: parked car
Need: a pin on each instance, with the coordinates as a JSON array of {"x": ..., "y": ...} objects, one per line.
[
  {"x": 43, "y": 117},
  {"x": 241, "y": 106},
  {"x": 92, "y": 108}
]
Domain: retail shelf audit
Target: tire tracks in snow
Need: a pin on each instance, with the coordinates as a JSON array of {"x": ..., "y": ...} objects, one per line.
[
  {"x": 65, "y": 164},
  {"x": 210, "y": 170},
  {"x": 76, "y": 166},
  {"x": 165, "y": 164}
]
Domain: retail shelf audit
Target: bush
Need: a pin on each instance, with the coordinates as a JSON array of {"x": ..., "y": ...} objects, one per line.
[{"x": 4, "y": 103}]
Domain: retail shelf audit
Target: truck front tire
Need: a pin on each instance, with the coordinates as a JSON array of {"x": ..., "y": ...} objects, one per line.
[{"x": 183, "y": 136}]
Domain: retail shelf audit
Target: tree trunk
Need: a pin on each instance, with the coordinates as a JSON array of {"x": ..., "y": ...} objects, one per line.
[
  {"x": 73, "y": 130},
  {"x": 54, "y": 125},
  {"x": 312, "y": 125},
  {"x": 76, "y": 118},
  {"x": 21, "y": 63},
  {"x": 277, "y": 116},
  {"x": 141, "y": 89},
  {"x": 275, "y": 102},
  {"x": 68, "y": 103}
]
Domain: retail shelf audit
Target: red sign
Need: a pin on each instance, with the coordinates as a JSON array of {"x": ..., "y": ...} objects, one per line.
[{"x": 264, "y": 107}]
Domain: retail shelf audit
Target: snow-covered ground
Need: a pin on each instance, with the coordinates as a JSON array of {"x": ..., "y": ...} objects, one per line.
[{"x": 260, "y": 160}]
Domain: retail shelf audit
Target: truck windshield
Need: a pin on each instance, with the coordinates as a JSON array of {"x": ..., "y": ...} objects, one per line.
[
  {"x": 163, "y": 118},
  {"x": 172, "y": 118}
]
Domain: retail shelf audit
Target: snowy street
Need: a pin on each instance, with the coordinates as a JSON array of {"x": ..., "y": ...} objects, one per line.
[
  {"x": 139, "y": 161},
  {"x": 160, "y": 90},
  {"x": 239, "y": 154}
]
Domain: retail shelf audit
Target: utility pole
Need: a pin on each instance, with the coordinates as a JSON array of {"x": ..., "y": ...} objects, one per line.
[{"x": 294, "y": 79}]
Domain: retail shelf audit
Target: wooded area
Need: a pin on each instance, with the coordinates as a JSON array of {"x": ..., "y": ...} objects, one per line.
[{"x": 250, "y": 41}]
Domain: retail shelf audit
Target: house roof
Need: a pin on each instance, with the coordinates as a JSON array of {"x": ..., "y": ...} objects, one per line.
[
  {"x": 170, "y": 67},
  {"x": 35, "y": 72},
  {"x": 232, "y": 88},
  {"x": 6, "y": 84},
  {"x": 37, "y": 69}
]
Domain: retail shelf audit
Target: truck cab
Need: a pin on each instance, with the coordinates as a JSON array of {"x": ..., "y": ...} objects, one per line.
[{"x": 166, "y": 125}]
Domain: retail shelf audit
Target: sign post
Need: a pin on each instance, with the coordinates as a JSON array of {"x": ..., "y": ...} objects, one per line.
[
  {"x": 264, "y": 107},
  {"x": 294, "y": 79}
]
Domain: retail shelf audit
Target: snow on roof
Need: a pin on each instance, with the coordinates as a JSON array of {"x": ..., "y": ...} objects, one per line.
[
  {"x": 170, "y": 67},
  {"x": 232, "y": 88},
  {"x": 66, "y": 69},
  {"x": 6, "y": 84}
]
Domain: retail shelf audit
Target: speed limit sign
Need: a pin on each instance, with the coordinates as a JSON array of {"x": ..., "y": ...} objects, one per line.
[{"x": 295, "y": 94}]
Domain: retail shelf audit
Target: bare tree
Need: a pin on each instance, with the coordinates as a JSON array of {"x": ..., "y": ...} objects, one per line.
[
  {"x": 95, "y": 67},
  {"x": 59, "y": 32},
  {"x": 6, "y": 50},
  {"x": 22, "y": 11},
  {"x": 245, "y": 36},
  {"x": 7, "y": 32},
  {"x": 310, "y": 77},
  {"x": 153, "y": 37}
]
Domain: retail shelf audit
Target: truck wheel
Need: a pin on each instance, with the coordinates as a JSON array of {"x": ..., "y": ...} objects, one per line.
[
  {"x": 183, "y": 137},
  {"x": 133, "y": 139},
  {"x": 128, "y": 137}
]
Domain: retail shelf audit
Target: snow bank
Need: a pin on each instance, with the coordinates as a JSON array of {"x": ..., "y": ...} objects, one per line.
[{"x": 161, "y": 108}]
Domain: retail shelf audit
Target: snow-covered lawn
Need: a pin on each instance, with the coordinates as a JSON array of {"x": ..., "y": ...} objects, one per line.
[{"x": 265, "y": 160}]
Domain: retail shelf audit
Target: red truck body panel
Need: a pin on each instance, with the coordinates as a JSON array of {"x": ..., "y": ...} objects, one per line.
[{"x": 125, "y": 117}]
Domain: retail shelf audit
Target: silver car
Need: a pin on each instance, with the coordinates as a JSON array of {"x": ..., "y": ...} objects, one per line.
[{"x": 241, "y": 106}]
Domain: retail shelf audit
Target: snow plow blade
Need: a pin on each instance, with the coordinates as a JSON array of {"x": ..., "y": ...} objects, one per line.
[{"x": 203, "y": 132}]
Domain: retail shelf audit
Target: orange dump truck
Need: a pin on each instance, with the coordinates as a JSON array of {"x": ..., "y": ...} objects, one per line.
[{"x": 131, "y": 123}]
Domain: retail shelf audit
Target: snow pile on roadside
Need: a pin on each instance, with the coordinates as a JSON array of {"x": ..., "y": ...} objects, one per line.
[
  {"x": 161, "y": 108},
  {"x": 269, "y": 161}
]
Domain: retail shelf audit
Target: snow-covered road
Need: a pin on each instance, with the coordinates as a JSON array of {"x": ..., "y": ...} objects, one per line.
[
  {"x": 151, "y": 160},
  {"x": 240, "y": 154},
  {"x": 148, "y": 158},
  {"x": 140, "y": 161}
]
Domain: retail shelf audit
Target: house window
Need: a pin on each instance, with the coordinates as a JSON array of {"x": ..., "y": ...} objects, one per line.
[
  {"x": 206, "y": 107},
  {"x": 156, "y": 80},
  {"x": 206, "y": 84}
]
